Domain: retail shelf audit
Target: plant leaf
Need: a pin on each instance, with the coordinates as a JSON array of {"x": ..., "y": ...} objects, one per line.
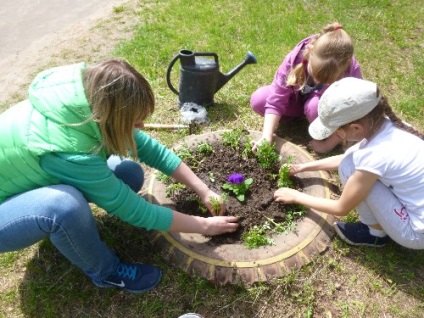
[{"x": 248, "y": 181}]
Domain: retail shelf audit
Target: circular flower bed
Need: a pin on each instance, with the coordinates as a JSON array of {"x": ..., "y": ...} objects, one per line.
[{"x": 292, "y": 235}]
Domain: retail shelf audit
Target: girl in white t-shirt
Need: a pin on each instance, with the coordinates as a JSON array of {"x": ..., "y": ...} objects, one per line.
[{"x": 382, "y": 174}]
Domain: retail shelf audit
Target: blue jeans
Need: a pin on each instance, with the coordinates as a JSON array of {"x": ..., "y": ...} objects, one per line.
[{"x": 61, "y": 213}]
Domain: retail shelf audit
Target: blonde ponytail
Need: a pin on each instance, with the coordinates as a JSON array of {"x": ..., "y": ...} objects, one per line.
[{"x": 329, "y": 54}]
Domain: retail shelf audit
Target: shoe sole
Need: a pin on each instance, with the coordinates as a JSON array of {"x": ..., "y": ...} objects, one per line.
[{"x": 344, "y": 238}]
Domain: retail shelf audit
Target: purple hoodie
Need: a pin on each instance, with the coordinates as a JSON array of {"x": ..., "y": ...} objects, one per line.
[{"x": 285, "y": 100}]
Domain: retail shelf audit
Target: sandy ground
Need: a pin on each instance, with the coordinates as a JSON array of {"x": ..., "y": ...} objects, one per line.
[{"x": 35, "y": 35}]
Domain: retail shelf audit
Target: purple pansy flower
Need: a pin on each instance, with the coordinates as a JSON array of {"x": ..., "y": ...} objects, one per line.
[{"x": 236, "y": 178}]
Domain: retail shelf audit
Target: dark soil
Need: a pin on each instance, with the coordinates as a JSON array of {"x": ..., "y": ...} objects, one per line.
[{"x": 259, "y": 203}]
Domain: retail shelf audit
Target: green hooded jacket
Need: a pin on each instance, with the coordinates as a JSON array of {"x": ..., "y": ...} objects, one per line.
[
  {"x": 49, "y": 121},
  {"x": 50, "y": 138}
]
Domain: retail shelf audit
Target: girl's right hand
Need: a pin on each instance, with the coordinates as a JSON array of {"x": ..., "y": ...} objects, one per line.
[{"x": 220, "y": 224}]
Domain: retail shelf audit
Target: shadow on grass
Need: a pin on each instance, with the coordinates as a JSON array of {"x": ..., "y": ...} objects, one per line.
[
  {"x": 53, "y": 287},
  {"x": 401, "y": 268}
]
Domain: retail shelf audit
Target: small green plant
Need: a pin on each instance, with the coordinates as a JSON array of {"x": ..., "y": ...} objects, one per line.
[
  {"x": 216, "y": 205},
  {"x": 118, "y": 9},
  {"x": 205, "y": 149},
  {"x": 266, "y": 155},
  {"x": 238, "y": 184},
  {"x": 163, "y": 177},
  {"x": 255, "y": 237},
  {"x": 173, "y": 189},
  {"x": 284, "y": 179},
  {"x": 248, "y": 152},
  {"x": 289, "y": 224},
  {"x": 185, "y": 154},
  {"x": 211, "y": 177},
  {"x": 203, "y": 209},
  {"x": 232, "y": 138},
  {"x": 295, "y": 211}
]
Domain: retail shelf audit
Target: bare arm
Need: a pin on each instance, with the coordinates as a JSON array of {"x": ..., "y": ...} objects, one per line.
[
  {"x": 271, "y": 122},
  {"x": 208, "y": 226},
  {"x": 356, "y": 189},
  {"x": 330, "y": 163},
  {"x": 186, "y": 176}
]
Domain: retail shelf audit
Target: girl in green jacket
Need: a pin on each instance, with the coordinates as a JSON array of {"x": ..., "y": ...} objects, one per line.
[{"x": 62, "y": 148}]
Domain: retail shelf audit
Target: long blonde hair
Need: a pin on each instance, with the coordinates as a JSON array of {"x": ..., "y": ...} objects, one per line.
[
  {"x": 329, "y": 54},
  {"x": 119, "y": 97}
]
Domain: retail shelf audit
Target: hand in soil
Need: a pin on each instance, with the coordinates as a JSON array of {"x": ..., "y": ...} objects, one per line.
[
  {"x": 220, "y": 224},
  {"x": 286, "y": 195},
  {"x": 259, "y": 205}
]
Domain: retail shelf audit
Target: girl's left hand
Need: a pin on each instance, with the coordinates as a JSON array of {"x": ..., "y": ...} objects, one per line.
[
  {"x": 286, "y": 195},
  {"x": 210, "y": 198}
]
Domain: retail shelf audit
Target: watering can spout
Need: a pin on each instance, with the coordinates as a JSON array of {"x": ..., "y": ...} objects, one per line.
[{"x": 224, "y": 78}]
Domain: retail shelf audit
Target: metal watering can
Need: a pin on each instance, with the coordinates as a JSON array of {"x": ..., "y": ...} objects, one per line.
[{"x": 200, "y": 77}]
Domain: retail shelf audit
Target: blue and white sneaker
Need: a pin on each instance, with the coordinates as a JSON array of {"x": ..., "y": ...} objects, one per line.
[
  {"x": 134, "y": 278},
  {"x": 358, "y": 234}
]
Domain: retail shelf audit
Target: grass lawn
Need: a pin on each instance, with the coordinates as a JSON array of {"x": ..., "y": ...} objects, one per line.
[{"x": 344, "y": 281}]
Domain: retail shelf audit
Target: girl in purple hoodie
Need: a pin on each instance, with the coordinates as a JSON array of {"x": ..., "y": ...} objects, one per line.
[{"x": 304, "y": 75}]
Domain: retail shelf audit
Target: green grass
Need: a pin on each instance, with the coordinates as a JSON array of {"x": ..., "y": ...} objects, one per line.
[
  {"x": 386, "y": 34},
  {"x": 344, "y": 281}
]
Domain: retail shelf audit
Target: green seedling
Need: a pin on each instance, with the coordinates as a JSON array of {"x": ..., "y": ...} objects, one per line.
[
  {"x": 284, "y": 180},
  {"x": 248, "y": 152},
  {"x": 232, "y": 138},
  {"x": 211, "y": 177},
  {"x": 185, "y": 154},
  {"x": 255, "y": 237},
  {"x": 188, "y": 157},
  {"x": 174, "y": 188},
  {"x": 216, "y": 205},
  {"x": 163, "y": 177},
  {"x": 203, "y": 209},
  {"x": 292, "y": 215},
  {"x": 266, "y": 155},
  {"x": 205, "y": 149}
]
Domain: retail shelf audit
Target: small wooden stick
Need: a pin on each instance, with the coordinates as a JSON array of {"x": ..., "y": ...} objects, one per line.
[{"x": 165, "y": 126}]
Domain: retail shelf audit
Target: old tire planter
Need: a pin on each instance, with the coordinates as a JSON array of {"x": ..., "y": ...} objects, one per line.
[{"x": 235, "y": 263}]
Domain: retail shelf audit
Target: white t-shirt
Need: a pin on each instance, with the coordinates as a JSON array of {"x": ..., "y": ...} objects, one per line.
[{"x": 397, "y": 157}]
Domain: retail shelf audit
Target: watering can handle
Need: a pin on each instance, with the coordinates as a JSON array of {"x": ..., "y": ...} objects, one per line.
[
  {"x": 168, "y": 74},
  {"x": 175, "y": 58}
]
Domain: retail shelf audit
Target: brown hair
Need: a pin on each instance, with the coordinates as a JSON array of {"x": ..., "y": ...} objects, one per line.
[
  {"x": 119, "y": 97},
  {"x": 374, "y": 118},
  {"x": 329, "y": 55}
]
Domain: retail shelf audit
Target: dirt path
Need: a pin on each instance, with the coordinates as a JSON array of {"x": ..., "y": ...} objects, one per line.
[{"x": 63, "y": 33}]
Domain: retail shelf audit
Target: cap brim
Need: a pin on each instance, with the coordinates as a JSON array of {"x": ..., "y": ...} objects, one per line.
[{"x": 318, "y": 131}]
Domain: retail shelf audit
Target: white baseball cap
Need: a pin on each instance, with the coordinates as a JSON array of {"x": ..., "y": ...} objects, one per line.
[{"x": 345, "y": 101}]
